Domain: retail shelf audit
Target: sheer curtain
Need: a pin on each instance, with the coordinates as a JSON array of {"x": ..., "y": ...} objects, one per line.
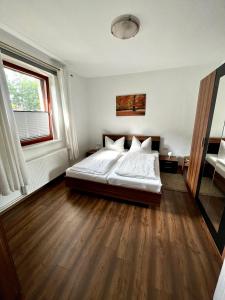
[
  {"x": 13, "y": 175},
  {"x": 70, "y": 130}
]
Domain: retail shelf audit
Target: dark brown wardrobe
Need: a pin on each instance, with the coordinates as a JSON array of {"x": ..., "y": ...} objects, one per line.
[{"x": 206, "y": 173}]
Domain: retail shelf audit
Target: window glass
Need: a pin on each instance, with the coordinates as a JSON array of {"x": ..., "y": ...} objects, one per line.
[
  {"x": 26, "y": 91},
  {"x": 30, "y": 99}
]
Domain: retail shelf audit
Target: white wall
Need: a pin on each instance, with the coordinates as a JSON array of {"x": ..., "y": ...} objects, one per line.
[
  {"x": 219, "y": 111},
  {"x": 170, "y": 106}
]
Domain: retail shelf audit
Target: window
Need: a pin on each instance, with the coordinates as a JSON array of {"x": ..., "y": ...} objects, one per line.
[{"x": 30, "y": 99}]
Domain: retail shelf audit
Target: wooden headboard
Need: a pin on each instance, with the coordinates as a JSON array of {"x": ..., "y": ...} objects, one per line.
[
  {"x": 214, "y": 145},
  {"x": 128, "y": 140}
]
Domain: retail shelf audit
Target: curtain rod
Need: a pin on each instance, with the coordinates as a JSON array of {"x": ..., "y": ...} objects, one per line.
[{"x": 15, "y": 51}]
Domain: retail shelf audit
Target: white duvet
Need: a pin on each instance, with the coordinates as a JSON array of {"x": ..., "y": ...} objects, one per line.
[
  {"x": 221, "y": 161},
  {"x": 99, "y": 163},
  {"x": 138, "y": 165}
]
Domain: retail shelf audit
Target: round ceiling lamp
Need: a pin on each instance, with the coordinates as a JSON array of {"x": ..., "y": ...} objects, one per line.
[{"x": 125, "y": 27}]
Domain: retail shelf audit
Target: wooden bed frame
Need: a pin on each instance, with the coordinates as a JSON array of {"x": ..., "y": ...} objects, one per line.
[{"x": 115, "y": 191}]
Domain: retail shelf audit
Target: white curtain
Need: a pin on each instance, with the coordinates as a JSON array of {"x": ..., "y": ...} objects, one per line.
[
  {"x": 12, "y": 164},
  {"x": 70, "y": 130}
]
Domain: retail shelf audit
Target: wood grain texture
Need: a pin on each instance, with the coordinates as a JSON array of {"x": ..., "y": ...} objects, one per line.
[
  {"x": 114, "y": 191},
  {"x": 9, "y": 283},
  {"x": 72, "y": 246},
  {"x": 200, "y": 128}
]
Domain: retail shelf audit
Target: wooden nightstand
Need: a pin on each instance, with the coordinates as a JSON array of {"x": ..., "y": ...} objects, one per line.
[
  {"x": 169, "y": 165},
  {"x": 185, "y": 164},
  {"x": 91, "y": 151}
]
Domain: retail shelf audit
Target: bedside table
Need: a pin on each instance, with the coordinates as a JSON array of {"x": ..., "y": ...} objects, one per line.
[
  {"x": 169, "y": 165},
  {"x": 91, "y": 151},
  {"x": 185, "y": 164}
]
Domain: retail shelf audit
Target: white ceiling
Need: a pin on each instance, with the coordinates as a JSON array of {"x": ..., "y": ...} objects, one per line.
[{"x": 173, "y": 33}]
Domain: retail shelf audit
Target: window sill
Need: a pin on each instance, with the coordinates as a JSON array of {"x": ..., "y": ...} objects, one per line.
[{"x": 41, "y": 144}]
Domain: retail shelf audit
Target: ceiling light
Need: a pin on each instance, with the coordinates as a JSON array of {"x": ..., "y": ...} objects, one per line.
[{"x": 125, "y": 27}]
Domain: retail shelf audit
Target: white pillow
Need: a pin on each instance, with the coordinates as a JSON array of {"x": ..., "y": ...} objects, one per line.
[
  {"x": 145, "y": 146},
  {"x": 118, "y": 145}
]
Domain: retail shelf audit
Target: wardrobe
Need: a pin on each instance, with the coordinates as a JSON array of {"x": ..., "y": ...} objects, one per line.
[{"x": 206, "y": 172}]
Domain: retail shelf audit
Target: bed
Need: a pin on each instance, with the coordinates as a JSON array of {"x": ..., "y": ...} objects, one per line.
[
  {"x": 210, "y": 164},
  {"x": 110, "y": 184},
  {"x": 211, "y": 156},
  {"x": 213, "y": 168},
  {"x": 211, "y": 159}
]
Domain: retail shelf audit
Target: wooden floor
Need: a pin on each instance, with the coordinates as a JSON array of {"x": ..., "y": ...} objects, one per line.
[
  {"x": 214, "y": 207},
  {"x": 72, "y": 246}
]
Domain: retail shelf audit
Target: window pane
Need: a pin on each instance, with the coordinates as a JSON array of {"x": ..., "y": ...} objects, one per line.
[
  {"x": 28, "y": 95},
  {"x": 32, "y": 125},
  {"x": 25, "y": 91}
]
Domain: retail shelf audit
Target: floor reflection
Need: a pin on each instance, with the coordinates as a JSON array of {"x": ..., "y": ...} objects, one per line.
[{"x": 213, "y": 200}]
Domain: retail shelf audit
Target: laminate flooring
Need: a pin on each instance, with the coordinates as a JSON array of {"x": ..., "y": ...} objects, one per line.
[{"x": 68, "y": 245}]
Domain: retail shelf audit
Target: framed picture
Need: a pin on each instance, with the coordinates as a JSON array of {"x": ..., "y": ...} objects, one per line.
[{"x": 131, "y": 105}]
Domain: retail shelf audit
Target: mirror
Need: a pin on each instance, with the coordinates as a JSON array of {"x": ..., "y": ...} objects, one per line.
[{"x": 212, "y": 185}]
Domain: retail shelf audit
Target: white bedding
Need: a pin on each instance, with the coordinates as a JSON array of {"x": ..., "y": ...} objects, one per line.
[
  {"x": 221, "y": 161},
  {"x": 85, "y": 176},
  {"x": 150, "y": 185},
  {"x": 98, "y": 163},
  {"x": 212, "y": 158},
  {"x": 219, "y": 164},
  {"x": 220, "y": 169},
  {"x": 110, "y": 177},
  {"x": 137, "y": 165}
]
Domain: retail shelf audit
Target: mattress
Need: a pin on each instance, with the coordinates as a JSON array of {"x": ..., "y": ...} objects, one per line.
[
  {"x": 150, "y": 185},
  {"x": 211, "y": 158}
]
